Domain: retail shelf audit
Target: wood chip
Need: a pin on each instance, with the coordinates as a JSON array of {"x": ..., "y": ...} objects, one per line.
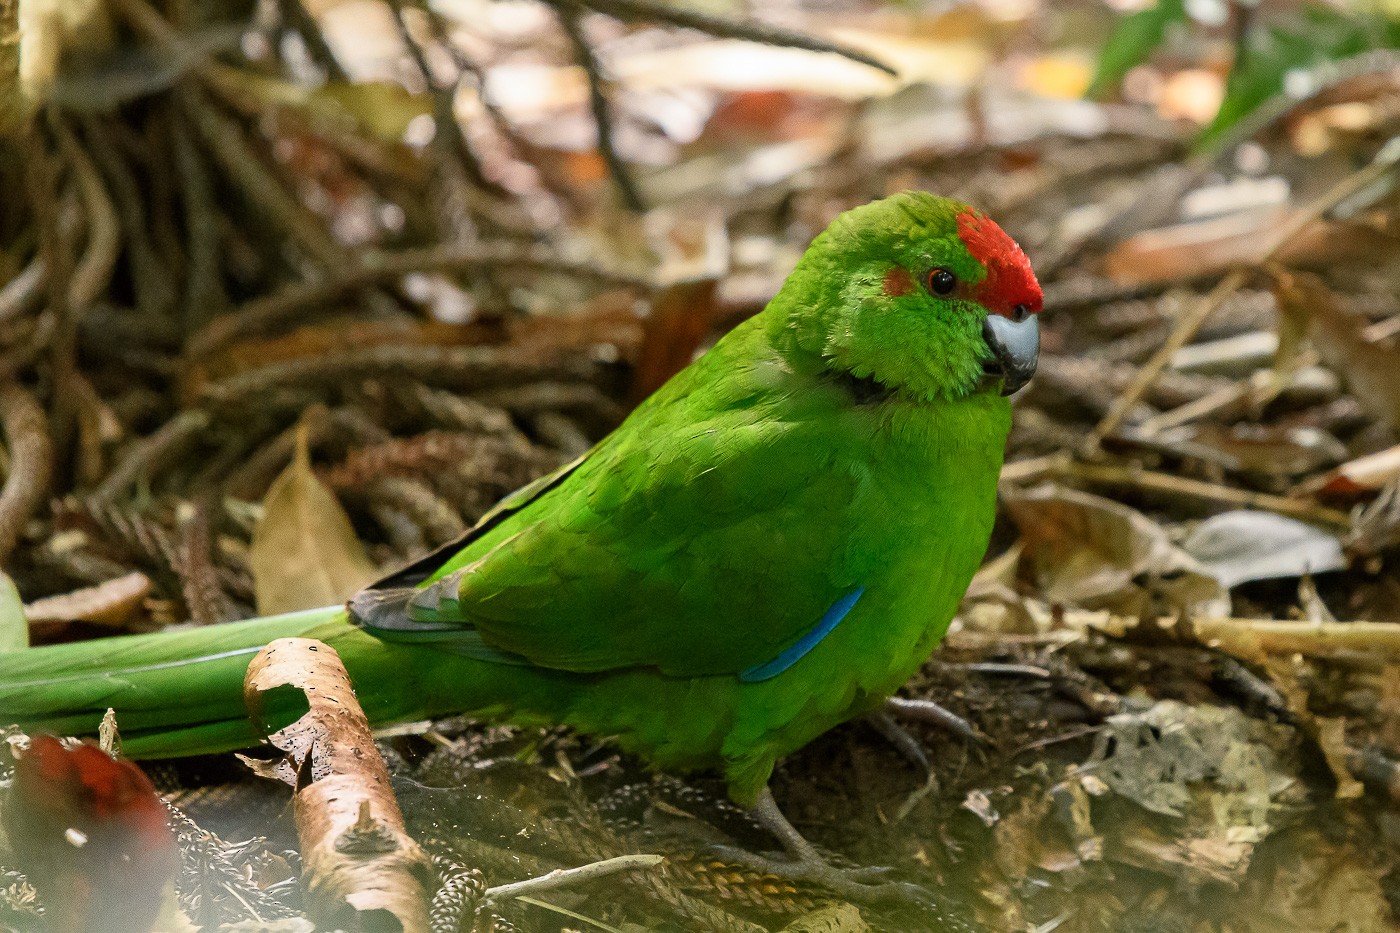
[{"x": 361, "y": 869}]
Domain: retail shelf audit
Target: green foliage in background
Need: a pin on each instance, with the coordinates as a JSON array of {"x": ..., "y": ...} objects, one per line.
[
  {"x": 1273, "y": 46},
  {"x": 1133, "y": 39}
]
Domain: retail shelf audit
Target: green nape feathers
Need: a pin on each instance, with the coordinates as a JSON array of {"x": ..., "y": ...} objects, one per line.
[{"x": 769, "y": 545}]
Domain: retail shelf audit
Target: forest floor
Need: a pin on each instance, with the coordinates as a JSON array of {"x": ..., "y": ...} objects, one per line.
[{"x": 1181, "y": 661}]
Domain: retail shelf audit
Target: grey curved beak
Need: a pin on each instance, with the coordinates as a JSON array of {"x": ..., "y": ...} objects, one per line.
[{"x": 1015, "y": 347}]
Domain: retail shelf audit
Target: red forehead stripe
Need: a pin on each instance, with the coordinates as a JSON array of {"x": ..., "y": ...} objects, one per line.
[{"x": 1009, "y": 280}]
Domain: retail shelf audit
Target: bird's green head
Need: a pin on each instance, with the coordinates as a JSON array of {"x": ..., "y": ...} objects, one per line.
[{"x": 924, "y": 295}]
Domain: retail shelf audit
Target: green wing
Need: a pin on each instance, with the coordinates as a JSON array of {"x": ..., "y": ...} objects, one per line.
[
  {"x": 441, "y": 560},
  {"x": 703, "y": 536}
]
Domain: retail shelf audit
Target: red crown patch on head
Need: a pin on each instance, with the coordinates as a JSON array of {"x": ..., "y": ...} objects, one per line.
[{"x": 1010, "y": 281}]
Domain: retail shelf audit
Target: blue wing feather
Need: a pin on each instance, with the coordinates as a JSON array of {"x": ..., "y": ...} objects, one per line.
[{"x": 798, "y": 649}]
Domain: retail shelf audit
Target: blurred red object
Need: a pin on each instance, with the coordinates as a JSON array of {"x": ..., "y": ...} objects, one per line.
[{"x": 92, "y": 836}]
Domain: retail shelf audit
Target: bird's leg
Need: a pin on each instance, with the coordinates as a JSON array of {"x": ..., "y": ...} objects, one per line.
[
  {"x": 805, "y": 863},
  {"x": 771, "y": 818}
]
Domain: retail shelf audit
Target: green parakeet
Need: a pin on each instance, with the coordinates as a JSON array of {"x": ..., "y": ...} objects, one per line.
[{"x": 769, "y": 545}]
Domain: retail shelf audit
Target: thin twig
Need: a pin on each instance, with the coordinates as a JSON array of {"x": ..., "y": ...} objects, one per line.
[
  {"x": 90, "y": 277},
  {"x": 1159, "y": 196},
  {"x": 295, "y": 17},
  {"x": 151, "y": 275},
  {"x": 226, "y": 142},
  {"x": 469, "y": 368},
  {"x": 375, "y": 268},
  {"x": 435, "y": 518},
  {"x": 466, "y": 65},
  {"x": 29, "y": 344},
  {"x": 1002, "y": 669},
  {"x": 1034, "y": 468},
  {"x": 450, "y": 138},
  {"x": 94, "y": 270},
  {"x": 199, "y": 580},
  {"x": 646, "y": 10},
  {"x": 1313, "y": 639},
  {"x": 565, "y": 877},
  {"x": 204, "y": 294},
  {"x": 1182, "y": 487},
  {"x": 43, "y": 173},
  {"x": 1221, "y": 398},
  {"x": 1187, "y": 327},
  {"x": 145, "y": 455},
  {"x": 571, "y": 22},
  {"x": 23, "y": 293},
  {"x": 31, "y": 460},
  {"x": 571, "y": 914}
]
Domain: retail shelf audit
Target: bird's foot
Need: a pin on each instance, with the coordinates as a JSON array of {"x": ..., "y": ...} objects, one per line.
[
  {"x": 914, "y": 753},
  {"x": 866, "y": 885},
  {"x": 930, "y": 712},
  {"x": 807, "y": 865}
]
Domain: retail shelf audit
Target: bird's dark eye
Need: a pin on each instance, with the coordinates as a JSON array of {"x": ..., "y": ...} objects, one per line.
[
  {"x": 941, "y": 281},
  {"x": 1020, "y": 313}
]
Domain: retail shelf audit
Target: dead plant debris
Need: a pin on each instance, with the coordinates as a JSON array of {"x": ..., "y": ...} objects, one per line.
[{"x": 365, "y": 268}]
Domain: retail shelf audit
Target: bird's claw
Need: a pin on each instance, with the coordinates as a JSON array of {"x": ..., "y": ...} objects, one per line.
[
  {"x": 868, "y": 884},
  {"x": 934, "y": 714}
]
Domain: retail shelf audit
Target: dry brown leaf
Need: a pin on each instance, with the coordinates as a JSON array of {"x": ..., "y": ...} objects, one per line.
[
  {"x": 1215, "y": 859},
  {"x": 1261, "y": 450},
  {"x": 110, "y": 603},
  {"x": 680, "y": 320},
  {"x": 304, "y": 551},
  {"x": 1087, "y": 551},
  {"x": 359, "y": 863},
  {"x": 1349, "y": 113},
  {"x": 1363, "y": 475},
  {"x": 1017, "y": 839},
  {"x": 1367, "y": 368},
  {"x": 1214, "y": 246},
  {"x": 1247, "y": 544}
]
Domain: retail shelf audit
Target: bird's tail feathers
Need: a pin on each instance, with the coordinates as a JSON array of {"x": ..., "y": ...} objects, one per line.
[{"x": 174, "y": 692}]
